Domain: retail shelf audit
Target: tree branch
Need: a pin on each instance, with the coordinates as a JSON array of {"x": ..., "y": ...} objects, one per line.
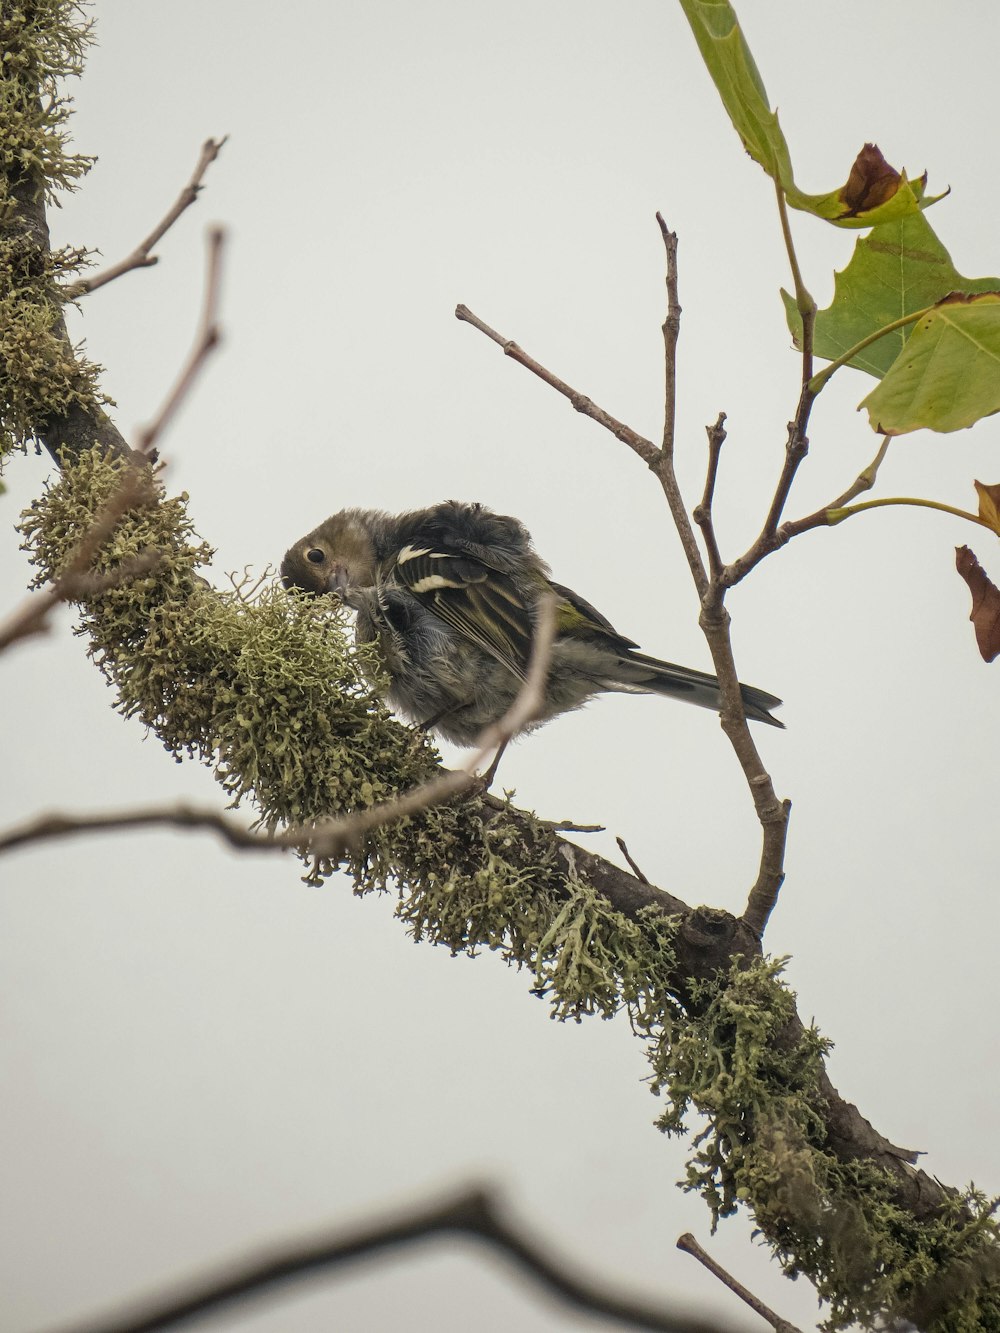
[
  {"x": 208, "y": 337},
  {"x": 141, "y": 256},
  {"x": 646, "y": 450},
  {"x": 703, "y": 511},
  {"x": 663, "y": 464},
  {"x": 331, "y": 838},
  {"x": 32, "y": 617},
  {"x": 470, "y": 1212},
  {"x": 864, "y": 481},
  {"x": 689, "y": 1245}
]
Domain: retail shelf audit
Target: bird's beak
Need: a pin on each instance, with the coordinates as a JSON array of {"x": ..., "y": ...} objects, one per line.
[{"x": 339, "y": 581}]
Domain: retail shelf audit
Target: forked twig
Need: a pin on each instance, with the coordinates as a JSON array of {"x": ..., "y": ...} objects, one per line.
[
  {"x": 142, "y": 256},
  {"x": 327, "y": 839},
  {"x": 76, "y": 580},
  {"x": 646, "y": 449},
  {"x": 472, "y": 1212}
]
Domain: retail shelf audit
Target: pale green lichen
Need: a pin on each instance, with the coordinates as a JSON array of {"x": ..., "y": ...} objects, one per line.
[
  {"x": 763, "y": 1145},
  {"x": 42, "y": 378},
  {"x": 42, "y": 43},
  {"x": 269, "y": 691}
]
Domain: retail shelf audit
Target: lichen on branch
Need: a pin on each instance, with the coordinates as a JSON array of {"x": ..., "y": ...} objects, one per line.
[{"x": 42, "y": 377}]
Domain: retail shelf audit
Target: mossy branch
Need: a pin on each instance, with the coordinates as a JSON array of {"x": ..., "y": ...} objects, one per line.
[{"x": 266, "y": 690}]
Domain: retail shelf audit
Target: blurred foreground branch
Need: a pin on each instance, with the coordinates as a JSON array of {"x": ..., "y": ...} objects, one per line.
[{"x": 472, "y": 1212}]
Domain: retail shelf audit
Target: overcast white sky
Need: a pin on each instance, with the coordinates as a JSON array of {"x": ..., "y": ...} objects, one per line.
[{"x": 198, "y": 1053}]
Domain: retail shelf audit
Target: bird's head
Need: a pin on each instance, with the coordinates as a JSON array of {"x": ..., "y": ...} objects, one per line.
[{"x": 336, "y": 557}]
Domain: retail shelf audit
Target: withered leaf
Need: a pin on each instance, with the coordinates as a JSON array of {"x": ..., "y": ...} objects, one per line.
[
  {"x": 985, "y": 613},
  {"x": 872, "y": 181},
  {"x": 989, "y": 505}
]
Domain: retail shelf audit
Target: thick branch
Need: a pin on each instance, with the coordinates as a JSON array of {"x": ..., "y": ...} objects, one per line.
[{"x": 78, "y": 429}]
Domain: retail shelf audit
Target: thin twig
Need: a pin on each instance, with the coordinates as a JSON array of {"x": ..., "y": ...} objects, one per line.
[
  {"x": 797, "y": 442},
  {"x": 208, "y": 337},
  {"x": 671, "y": 332},
  {"x": 646, "y": 450},
  {"x": 864, "y": 481},
  {"x": 689, "y": 1245},
  {"x": 47, "y": 828},
  {"x": 714, "y": 621},
  {"x": 327, "y": 839},
  {"x": 632, "y": 865},
  {"x": 663, "y": 464},
  {"x": 33, "y": 615},
  {"x": 75, "y": 581},
  {"x": 570, "y": 826},
  {"x": 330, "y": 839},
  {"x": 471, "y": 1212},
  {"x": 141, "y": 256},
  {"x": 703, "y": 511}
]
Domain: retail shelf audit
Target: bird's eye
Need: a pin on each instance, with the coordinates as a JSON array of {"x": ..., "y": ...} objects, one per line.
[{"x": 316, "y": 556}]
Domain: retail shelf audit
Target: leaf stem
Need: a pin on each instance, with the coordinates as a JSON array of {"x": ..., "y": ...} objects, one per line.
[
  {"x": 818, "y": 382},
  {"x": 803, "y": 299},
  {"x": 834, "y": 516}
]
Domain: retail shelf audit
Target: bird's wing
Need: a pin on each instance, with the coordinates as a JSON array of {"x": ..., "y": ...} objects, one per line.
[
  {"x": 477, "y": 601},
  {"x": 574, "y": 613}
]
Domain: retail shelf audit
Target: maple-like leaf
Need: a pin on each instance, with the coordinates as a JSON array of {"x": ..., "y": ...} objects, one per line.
[
  {"x": 947, "y": 377},
  {"x": 873, "y": 192},
  {"x": 900, "y": 267}
]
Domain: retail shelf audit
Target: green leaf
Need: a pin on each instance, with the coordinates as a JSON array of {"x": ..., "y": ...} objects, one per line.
[
  {"x": 874, "y": 192},
  {"x": 899, "y": 268},
  {"x": 727, "y": 56},
  {"x": 948, "y": 375}
]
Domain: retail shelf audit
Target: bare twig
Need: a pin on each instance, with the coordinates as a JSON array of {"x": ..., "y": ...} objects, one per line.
[
  {"x": 714, "y": 621},
  {"x": 864, "y": 481},
  {"x": 772, "y": 813},
  {"x": 703, "y": 512},
  {"x": 663, "y": 464},
  {"x": 75, "y": 581},
  {"x": 689, "y": 1245},
  {"x": 632, "y": 865},
  {"x": 569, "y": 826},
  {"x": 471, "y": 1212},
  {"x": 646, "y": 449},
  {"x": 797, "y": 442},
  {"x": 52, "y": 826},
  {"x": 328, "y": 838},
  {"x": 142, "y": 256},
  {"x": 208, "y": 337},
  {"x": 671, "y": 332},
  {"x": 32, "y": 617}
]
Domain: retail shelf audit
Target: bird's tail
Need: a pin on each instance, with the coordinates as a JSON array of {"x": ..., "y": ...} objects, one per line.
[{"x": 640, "y": 674}]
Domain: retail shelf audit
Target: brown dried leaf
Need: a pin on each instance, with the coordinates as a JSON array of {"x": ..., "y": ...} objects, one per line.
[
  {"x": 989, "y": 505},
  {"x": 872, "y": 181},
  {"x": 985, "y": 613}
]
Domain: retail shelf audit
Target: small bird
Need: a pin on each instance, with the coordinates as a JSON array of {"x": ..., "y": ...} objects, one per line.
[{"x": 449, "y": 596}]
